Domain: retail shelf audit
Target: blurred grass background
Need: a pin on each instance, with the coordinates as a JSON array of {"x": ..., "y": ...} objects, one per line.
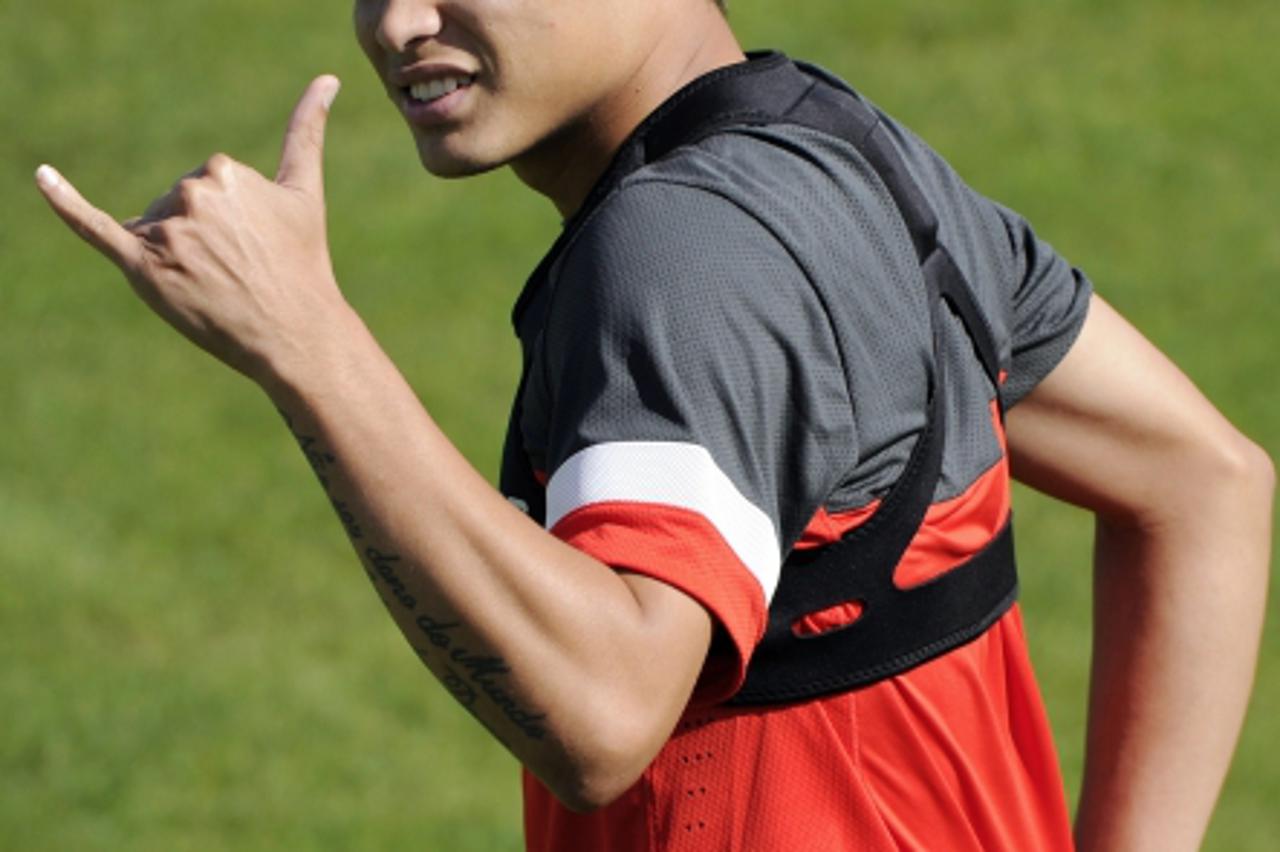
[{"x": 189, "y": 657}]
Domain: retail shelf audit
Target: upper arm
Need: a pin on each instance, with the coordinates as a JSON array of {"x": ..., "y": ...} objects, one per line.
[{"x": 1117, "y": 428}]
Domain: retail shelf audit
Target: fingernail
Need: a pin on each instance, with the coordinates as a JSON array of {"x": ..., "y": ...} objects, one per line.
[
  {"x": 333, "y": 93},
  {"x": 47, "y": 177}
]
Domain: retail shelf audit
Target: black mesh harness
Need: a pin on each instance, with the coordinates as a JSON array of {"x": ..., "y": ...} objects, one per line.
[{"x": 898, "y": 629}]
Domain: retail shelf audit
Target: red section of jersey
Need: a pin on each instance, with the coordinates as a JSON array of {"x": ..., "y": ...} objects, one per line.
[
  {"x": 952, "y": 532},
  {"x": 954, "y": 755},
  {"x": 683, "y": 549},
  {"x": 956, "y": 529},
  {"x": 829, "y": 620},
  {"x": 825, "y": 528}
]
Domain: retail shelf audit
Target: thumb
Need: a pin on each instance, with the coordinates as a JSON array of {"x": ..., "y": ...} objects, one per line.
[
  {"x": 95, "y": 227},
  {"x": 302, "y": 160}
]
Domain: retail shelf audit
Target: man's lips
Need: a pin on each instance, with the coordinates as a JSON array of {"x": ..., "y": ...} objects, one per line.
[
  {"x": 436, "y": 88},
  {"x": 430, "y": 91},
  {"x": 404, "y": 76}
]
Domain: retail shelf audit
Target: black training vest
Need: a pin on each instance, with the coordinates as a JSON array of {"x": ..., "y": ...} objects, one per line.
[{"x": 898, "y": 628}]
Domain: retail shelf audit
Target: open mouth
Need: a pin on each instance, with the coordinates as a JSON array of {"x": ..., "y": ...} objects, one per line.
[{"x": 434, "y": 90}]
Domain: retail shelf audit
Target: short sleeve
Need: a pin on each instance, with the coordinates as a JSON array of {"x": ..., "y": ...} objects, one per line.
[
  {"x": 1050, "y": 302},
  {"x": 697, "y": 404}
]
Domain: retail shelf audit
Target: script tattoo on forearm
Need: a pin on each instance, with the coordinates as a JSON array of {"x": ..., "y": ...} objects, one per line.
[
  {"x": 465, "y": 674},
  {"x": 321, "y": 460}
]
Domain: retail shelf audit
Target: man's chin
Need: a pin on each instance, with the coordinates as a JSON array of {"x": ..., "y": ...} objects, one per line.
[{"x": 451, "y": 164}]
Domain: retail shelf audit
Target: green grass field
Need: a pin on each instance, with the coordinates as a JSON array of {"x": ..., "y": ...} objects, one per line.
[{"x": 190, "y": 658}]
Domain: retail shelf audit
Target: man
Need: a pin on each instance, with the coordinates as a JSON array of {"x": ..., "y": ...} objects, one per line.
[{"x": 732, "y": 357}]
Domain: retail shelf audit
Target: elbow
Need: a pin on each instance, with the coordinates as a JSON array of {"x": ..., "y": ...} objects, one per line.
[
  {"x": 1264, "y": 468},
  {"x": 1231, "y": 484},
  {"x": 1218, "y": 479},
  {"x": 632, "y": 694},
  {"x": 1245, "y": 469},
  {"x": 588, "y": 793},
  {"x": 603, "y": 764},
  {"x": 598, "y": 782}
]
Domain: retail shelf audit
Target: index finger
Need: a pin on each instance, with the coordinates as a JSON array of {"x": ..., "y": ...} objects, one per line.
[{"x": 95, "y": 227}]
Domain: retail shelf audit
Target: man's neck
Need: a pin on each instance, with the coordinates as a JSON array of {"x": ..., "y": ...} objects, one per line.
[{"x": 565, "y": 166}]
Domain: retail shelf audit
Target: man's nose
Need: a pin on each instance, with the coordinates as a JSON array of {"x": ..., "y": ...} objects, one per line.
[{"x": 404, "y": 22}]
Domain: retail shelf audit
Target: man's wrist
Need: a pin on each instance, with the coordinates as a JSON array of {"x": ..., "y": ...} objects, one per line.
[{"x": 321, "y": 363}]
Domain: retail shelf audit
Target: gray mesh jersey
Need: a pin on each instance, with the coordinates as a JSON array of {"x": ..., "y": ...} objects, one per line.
[{"x": 736, "y": 344}]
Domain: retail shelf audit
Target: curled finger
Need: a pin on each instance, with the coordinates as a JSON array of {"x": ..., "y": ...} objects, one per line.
[{"x": 172, "y": 203}]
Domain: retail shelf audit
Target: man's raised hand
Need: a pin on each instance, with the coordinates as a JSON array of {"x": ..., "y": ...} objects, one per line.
[{"x": 236, "y": 262}]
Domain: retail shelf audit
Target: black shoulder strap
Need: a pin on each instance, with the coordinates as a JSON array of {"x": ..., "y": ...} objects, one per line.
[
  {"x": 836, "y": 109},
  {"x": 898, "y": 628}
]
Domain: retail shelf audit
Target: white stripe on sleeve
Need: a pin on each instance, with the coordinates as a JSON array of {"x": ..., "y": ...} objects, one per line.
[{"x": 671, "y": 474}]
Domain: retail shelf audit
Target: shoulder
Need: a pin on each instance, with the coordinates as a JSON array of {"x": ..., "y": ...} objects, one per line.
[
  {"x": 772, "y": 212},
  {"x": 667, "y": 247},
  {"x": 670, "y": 216}
]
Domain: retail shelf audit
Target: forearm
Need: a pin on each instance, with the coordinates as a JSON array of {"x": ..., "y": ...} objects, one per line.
[
  {"x": 544, "y": 645},
  {"x": 1179, "y": 601}
]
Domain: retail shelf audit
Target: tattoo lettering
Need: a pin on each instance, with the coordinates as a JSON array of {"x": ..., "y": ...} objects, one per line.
[
  {"x": 382, "y": 566},
  {"x": 437, "y": 633},
  {"x": 466, "y": 675},
  {"x": 316, "y": 457},
  {"x": 482, "y": 671},
  {"x": 479, "y": 673},
  {"x": 319, "y": 458},
  {"x": 462, "y": 691},
  {"x": 348, "y": 520}
]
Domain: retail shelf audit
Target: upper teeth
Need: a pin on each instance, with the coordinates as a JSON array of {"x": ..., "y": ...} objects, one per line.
[{"x": 433, "y": 89}]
